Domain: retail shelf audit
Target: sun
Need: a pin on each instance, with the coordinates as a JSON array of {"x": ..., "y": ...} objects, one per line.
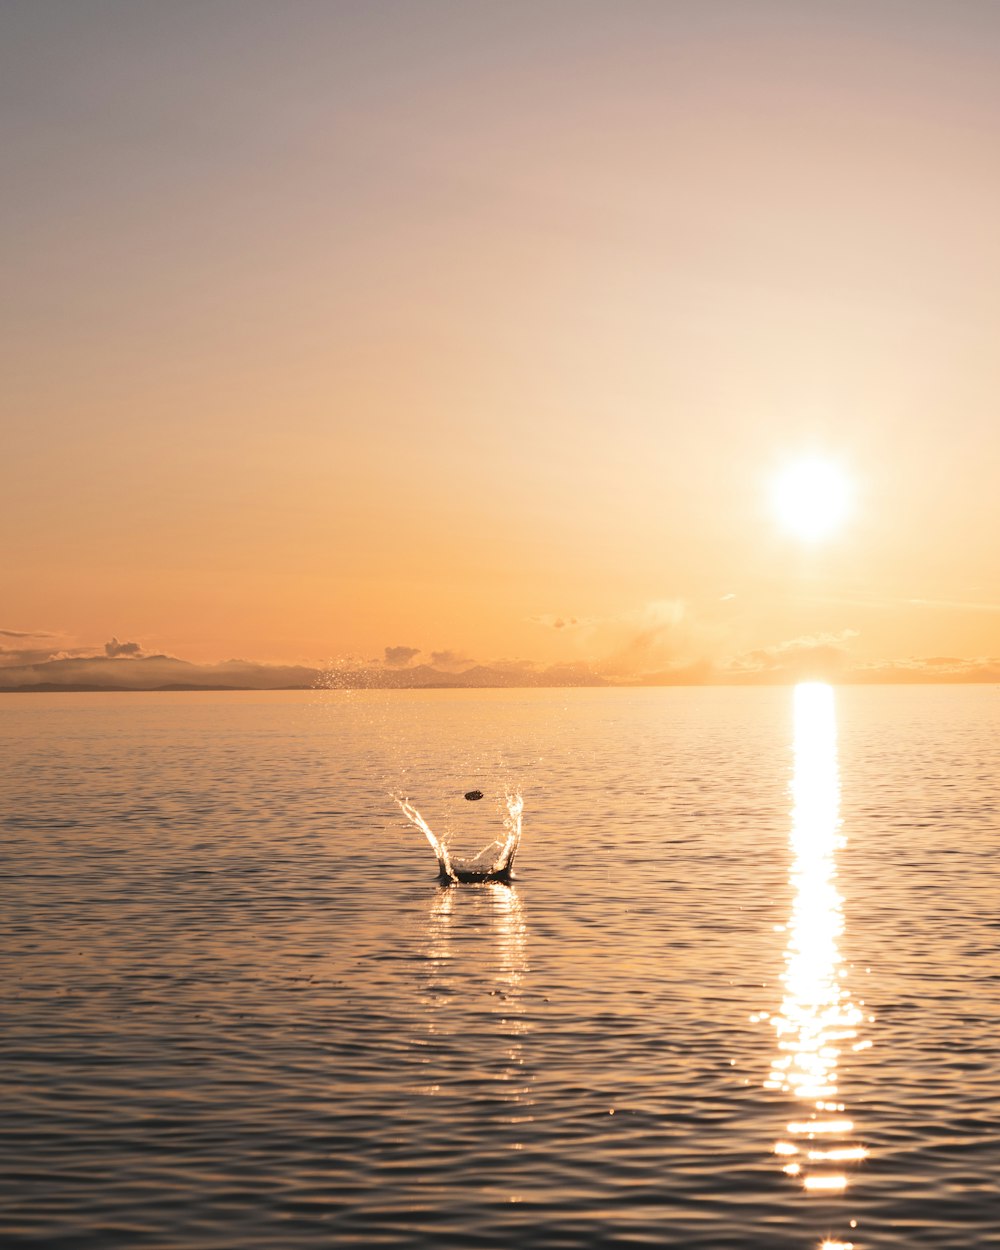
[{"x": 812, "y": 498}]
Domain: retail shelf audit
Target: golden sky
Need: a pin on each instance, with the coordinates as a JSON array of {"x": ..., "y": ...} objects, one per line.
[{"x": 485, "y": 329}]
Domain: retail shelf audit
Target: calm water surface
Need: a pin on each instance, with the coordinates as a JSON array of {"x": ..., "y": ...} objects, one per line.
[{"x": 744, "y": 992}]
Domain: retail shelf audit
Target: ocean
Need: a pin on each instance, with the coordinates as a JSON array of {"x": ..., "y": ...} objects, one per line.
[{"x": 743, "y": 990}]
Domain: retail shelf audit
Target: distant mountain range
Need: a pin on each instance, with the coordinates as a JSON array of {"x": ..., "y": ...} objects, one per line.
[{"x": 162, "y": 672}]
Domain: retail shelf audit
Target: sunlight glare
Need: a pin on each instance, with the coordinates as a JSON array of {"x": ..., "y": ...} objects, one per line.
[{"x": 812, "y": 498}]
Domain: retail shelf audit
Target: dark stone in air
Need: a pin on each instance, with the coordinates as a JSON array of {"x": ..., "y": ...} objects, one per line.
[{"x": 472, "y": 795}]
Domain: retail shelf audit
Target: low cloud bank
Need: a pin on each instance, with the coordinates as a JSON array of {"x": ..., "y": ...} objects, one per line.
[
  {"x": 30, "y": 647},
  {"x": 399, "y": 657},
  {"x": 649, "y": 656},
  {"x": 114, "y": 648},
  {"x": 929, "y": 669},
  {"x": 823, "y": 656},
  {"x": 451, "y": 674}
]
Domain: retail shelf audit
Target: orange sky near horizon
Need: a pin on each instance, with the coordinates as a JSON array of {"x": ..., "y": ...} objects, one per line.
[{"x": 484, "y": 329}]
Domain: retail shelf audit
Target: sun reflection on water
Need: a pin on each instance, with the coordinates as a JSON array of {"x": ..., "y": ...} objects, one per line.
[{"x": 817, "y": 1018}]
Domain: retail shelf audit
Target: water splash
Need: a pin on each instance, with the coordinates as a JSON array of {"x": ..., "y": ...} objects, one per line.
[
  {"x": 494, "y": 862},
  {"x": 439, "y": 847}
]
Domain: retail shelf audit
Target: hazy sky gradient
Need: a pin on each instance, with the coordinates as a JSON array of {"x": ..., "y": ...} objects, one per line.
[{"x": 336, "y": 326}]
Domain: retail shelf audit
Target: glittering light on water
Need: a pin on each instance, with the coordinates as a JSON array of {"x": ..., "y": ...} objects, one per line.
[
  {"x": 841, "y": 1154},
  {"x": 817, "y": 1017},
  {"x": 825, "y": 1184},
  {"x": 806, "y": 1128}
]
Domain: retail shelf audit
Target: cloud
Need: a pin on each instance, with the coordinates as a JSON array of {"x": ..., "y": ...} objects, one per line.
[
  {"x": 934, "y": 668},
  {"x": 657, "y": 644},
  {"x": 450, "y": 660},
  {"x": 819, "y": 655},
  {"x": 809, "y": 656},
  {"x": 556, "y": 622},
  {"x": 28, "y": 655},
  {"x": 114, "y": 648},
  {"x": 650, "y": 638},
  {"x": 399, "y": 657},
  {"x": 35, "y": 647},
  {"x": 515, "y": 666}
]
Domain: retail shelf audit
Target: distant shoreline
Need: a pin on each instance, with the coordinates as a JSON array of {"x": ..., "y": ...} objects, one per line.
[{"x": 43, "y": 688}]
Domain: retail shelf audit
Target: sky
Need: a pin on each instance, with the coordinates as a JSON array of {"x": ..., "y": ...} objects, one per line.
[{"x": 454, "y": 333}]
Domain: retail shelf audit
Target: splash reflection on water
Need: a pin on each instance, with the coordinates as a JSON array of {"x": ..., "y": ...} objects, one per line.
[
  {"x": 817, "y": 1018},
  {"x": 476, "y": 949},
  {"x": 508, "y": 931},
  {"x": 240, "y": 1015}
]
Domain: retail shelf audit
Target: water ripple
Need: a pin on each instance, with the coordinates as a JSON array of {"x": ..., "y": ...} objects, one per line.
[{"x": 240, "y": 1012}]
